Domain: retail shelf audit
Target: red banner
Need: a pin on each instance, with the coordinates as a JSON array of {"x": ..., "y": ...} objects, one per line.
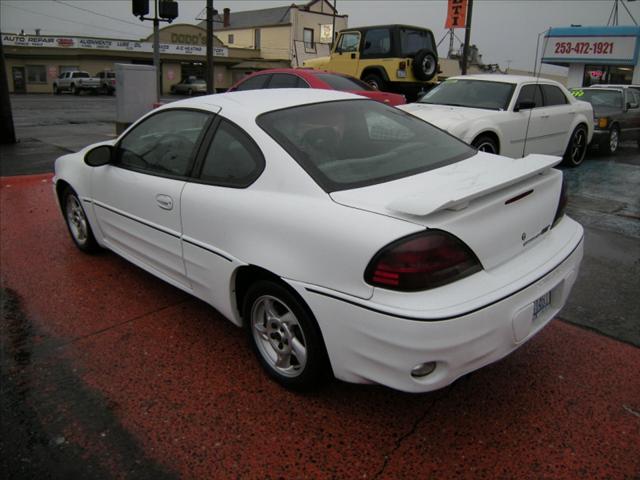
[{"x": 457, "y": 14}]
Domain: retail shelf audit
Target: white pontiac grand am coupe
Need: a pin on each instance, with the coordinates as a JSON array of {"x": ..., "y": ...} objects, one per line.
[
  {"x": 510, "y": 115},
  {"x": 346, "y": 236}
]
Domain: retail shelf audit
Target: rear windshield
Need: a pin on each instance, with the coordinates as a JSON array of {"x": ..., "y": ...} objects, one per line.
[
  {"x": 345, "y": 84},
  {"x": 412, "y": 41},
  {"x": 471, "y": 93},
  {"x": 355, "y": 143}
]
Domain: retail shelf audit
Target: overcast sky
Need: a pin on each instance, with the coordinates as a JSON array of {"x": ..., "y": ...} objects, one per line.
[{"x": 505, "y": 31}]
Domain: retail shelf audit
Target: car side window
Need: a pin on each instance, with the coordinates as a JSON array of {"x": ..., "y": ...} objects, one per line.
[
  {"x": 283, "y": 80},
  {"x": 253, "y": 83},
  {"x": 633, "y": 98},
  {"x": 531, "y": 93},
  {"x": 349, "y": 42},
  {"x": 553, "y": 95},
  {"x": 233, "y": 158},
  {"x": 377, "y": 42},
  {"x": 164, "y": 143}
]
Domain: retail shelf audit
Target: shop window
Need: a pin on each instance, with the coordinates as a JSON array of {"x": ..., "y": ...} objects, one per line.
[
  {"x": 36, "y": 74},
  {"x": 308, "y": 38},
  {"x": 230, "y": 38},
  {"x": 607, "y": 74}
]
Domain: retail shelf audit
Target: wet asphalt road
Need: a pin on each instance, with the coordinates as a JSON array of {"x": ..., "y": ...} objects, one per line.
[{"x": 108, "y": 372}]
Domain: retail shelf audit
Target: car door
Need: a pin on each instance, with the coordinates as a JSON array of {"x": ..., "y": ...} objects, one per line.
[
  {"x": 557, "y": 118},
  {"x": 346, "y": 56},
  {"x": 630, "y": 119},
  {"x": 212, "y": 212},
  {"x": 136, "y": 198},
  {"x": 527, "y": 130}
]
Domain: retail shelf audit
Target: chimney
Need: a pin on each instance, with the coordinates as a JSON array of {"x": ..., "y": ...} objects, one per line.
[{"x": 225, "y": 18}]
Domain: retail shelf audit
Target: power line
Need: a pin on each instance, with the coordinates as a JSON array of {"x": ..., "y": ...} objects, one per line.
[
  {"x": 66, "y": 20},
  {"x": 103, "y": 15}
]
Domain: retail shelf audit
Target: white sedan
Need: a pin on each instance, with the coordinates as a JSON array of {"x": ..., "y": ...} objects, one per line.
[
  {"x": 510, "y": 115},
  {"x": 346, "y": 236}
]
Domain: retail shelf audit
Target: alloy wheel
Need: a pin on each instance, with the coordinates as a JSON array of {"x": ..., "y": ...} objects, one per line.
[{"x": 278, "y": 336}]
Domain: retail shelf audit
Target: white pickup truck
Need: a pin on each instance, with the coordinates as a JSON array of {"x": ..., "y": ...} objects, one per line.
[{"x": 75, "y": 82}]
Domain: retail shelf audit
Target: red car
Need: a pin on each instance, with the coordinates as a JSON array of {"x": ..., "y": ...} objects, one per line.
[{"x": 308, "y": 78}]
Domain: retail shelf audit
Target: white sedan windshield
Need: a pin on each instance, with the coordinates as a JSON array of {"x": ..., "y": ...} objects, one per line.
[{"x": 354, "y": 143}]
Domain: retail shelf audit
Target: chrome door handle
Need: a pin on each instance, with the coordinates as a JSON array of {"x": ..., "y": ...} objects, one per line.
[{"x": 164, "y": 201}]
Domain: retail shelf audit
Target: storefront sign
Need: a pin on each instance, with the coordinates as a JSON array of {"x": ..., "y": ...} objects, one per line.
[
  {"x": 456, "y": 14},
  {"x": 326, "y": 33},
  {"x": 588, "y": 49},
  {"x": 108, "y": 45}
]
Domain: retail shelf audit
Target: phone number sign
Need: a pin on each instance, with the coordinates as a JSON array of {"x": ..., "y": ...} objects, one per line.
[{"x": 589, "y": 48}]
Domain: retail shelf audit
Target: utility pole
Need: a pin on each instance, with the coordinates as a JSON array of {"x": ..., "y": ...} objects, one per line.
[
  {"x": 333, "y": 28},
  {"x": 156, "y": 51},
  {"x": 210, "y": 74},
  {"x": 7, "y": 131},
  {"x": 467, "y": 35}
]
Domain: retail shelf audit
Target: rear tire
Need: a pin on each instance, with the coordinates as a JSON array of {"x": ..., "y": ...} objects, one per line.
[
  {"x": 284, "y": 336},
  {"x": 577, "y": 148},
  {"x": 190, "y": 92},
  {"x": 374, "y": 80},
  {"x": 485, "y": 143},
  {"x": 56, "y": 90}
]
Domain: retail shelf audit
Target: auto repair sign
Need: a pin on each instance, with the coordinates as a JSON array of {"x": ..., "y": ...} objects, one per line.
[{"x": 456, "y": 14}]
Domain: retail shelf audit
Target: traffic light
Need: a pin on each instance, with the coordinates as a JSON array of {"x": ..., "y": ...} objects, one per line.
[
  {"x": 168, "y": 9},
  {"x": 140, "y": 8}
]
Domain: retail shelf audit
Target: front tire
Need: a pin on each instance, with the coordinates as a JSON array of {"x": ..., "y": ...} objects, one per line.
[
  {"x": 77, "y": 222},
  {"x": 577, "y": 148},
  {"x": 284, "y": 336},
  {"x": 485, "y": 143}
]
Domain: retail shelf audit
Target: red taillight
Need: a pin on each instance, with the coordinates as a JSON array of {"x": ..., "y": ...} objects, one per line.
[
  {"x": 562, "y": 202},
  {"x": 421, "y": 261}
]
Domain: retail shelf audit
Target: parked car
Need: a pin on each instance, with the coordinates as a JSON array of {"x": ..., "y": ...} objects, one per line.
[
  {"x": 317, "y": 220},
  {"x": 617, "y": 85},
  {"x": 510, "y": 115},
  {"x": 616, "y": 115},
  {"x": 76, "y": 82},
  {"x": 190, "y": 86},
  {"x": 394, "y": 58},
  {"x": 307, "y": 78},
  {"x": 107, "y": 81}
]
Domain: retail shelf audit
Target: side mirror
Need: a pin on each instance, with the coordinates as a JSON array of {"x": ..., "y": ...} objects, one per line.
[
  {"x": 631, "y": 105},
  {"x": 99, "y": 156},
  {"x": 524, "y": 106}
]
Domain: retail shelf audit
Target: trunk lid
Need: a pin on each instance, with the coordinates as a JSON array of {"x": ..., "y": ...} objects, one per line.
[{"x": 498, "y": 206}]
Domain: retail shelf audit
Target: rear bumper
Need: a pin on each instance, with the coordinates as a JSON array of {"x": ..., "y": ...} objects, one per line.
[{"x": 368, "y": 345}]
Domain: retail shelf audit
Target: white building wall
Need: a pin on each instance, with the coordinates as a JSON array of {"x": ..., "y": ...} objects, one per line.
[{"x": 576, "y": 75}]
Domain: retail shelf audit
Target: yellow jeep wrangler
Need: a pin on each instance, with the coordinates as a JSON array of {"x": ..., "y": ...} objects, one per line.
[{"x": 394, "y": 58}]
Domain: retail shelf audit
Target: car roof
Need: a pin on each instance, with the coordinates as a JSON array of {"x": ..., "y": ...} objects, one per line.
[
  {"x": 505, "y": 78},
  {"x": 252, "y": 103},
  {"x": 612, "y": 88},
  {"x": 391, "y": 25}
]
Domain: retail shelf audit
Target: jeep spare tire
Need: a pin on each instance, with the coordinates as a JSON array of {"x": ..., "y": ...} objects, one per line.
[{"x": 425, "y": 64}]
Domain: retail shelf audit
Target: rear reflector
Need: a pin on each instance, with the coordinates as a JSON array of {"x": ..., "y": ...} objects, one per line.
[{"x": 421, "y": 261}]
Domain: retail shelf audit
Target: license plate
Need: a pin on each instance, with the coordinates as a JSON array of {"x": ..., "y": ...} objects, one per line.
[{"x": 541, "y": 304}]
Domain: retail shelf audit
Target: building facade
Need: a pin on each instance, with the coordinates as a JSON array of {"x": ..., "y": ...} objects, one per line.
[
  {"x": 34, "y": 62},
  {"x": 595, "y": 55},
  {"x": 290, "y": 33}
]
